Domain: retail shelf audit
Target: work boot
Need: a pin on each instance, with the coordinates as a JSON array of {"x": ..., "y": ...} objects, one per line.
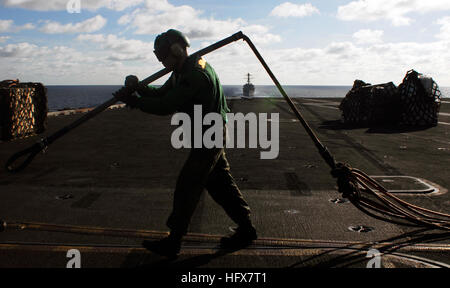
[
  {"x": 168, "y": 247},
  {"x": 243, "y": 236}
]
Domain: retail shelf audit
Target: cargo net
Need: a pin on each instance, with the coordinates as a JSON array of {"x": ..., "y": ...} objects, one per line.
[
  {"x": 421, "y": 99},
  {"x": 414, "y": 103},
  {"x": 366, "y": 104},
  {"x": 23, "y": 109}
]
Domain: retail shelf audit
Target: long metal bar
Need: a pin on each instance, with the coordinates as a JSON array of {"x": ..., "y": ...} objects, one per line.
[
  {"x": 33, "y": 150},
  {"x": 44, "y": 143}
]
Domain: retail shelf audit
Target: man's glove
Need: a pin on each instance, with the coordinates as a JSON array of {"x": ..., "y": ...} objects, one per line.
[
  {"x": 132, "y": 82},
  {"x": 127, "y": 96}
]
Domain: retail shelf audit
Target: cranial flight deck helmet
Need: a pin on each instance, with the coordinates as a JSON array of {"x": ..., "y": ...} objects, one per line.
[{"x": 164, "y": 43}]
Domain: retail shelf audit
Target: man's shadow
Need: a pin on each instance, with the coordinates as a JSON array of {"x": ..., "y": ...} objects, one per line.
[
  {"x": 150, "y": 259},
  {"x": 201, "y": 260}
]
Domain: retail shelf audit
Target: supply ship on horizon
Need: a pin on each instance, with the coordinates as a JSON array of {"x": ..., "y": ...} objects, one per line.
[{"x": 248, "y": 90}]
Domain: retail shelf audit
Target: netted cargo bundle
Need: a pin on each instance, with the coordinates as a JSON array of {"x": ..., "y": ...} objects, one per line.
[
  {"x": 367, "y": 105},
  {"x": 421, "y": 99},
  {"x": 23, "y": 109}
]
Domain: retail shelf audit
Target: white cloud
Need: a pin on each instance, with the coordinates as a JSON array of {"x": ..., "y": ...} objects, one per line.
[
  {"x": 342, "y": 62},
  {"x": 27, "y": 26},
  {"x": 6, "y": 25},
  {"x": 96, "y": 38},
  {"x": 444, "y": 33},
  {"x": 4, "y": 38},
  {"x": 9, "y": 26},
  {"x": 260, "y": 34},
  {"x": 20, "y": 50},
  {"x": 367, "y": 36},
  {"x": 159, "y": 16},
  {"x": 289, "y": 9},
  {"x": 394, "y": 11},
  {"x": 25, "y": 51},
  {"x": 90, "y": 25},
  {"x": 57, "y": 65},
  {"x": 60, "y": 5},
  {"x": 120, "y": 49},
  {"x": 120, "y": 5}
]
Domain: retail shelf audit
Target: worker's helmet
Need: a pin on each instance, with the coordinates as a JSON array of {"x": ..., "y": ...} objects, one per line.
[{"x": 164, "y": 43}]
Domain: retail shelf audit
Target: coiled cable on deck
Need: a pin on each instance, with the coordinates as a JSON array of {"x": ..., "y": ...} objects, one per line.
[{"x": 359, "y": 188}]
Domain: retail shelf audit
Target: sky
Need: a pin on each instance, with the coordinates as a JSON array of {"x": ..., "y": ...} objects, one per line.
[{"x": 99, "y": 42}]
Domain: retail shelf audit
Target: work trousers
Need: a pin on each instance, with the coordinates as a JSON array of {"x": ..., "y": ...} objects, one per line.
[{"x": 206, "y": 169}]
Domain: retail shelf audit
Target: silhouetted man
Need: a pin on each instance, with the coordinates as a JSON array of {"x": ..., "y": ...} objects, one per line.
[{"x": 192, "y": 82}]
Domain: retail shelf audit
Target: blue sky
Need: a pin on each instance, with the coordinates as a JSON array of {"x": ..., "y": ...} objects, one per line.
[{"x": 305, "y": 42}]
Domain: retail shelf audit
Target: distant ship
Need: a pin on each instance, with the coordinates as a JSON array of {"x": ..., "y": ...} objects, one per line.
[{"x": 248, "y": 90}]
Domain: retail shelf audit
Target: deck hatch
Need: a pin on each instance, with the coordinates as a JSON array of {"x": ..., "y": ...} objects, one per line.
[{"x": 406, "y": 185}]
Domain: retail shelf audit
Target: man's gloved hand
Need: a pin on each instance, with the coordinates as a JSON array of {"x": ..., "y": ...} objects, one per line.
[
  {"x": 127, "y": 96},
  {"x": 132, "y": 82}
]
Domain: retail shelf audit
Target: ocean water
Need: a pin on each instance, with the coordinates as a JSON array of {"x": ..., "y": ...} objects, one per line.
[{"x": 73, "y": 97}]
